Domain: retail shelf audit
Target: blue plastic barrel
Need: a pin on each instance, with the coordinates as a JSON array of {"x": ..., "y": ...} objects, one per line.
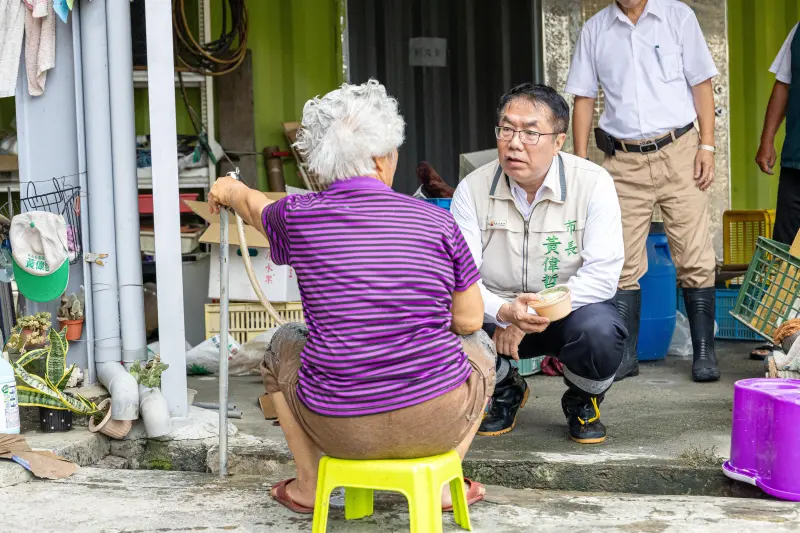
[
  {"x": 659, "y": 298},
  {"x": 441, "y": 202}
]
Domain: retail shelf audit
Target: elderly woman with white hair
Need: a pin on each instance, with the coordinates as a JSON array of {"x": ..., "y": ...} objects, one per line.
[{"x": 392, "y": 363}]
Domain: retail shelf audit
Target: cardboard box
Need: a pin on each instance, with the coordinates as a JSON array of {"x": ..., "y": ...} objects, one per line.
[
  {"x": 267, "y": 407},
  {"x": 8, "y": 163},
  {"x": 279, "y": 283}
]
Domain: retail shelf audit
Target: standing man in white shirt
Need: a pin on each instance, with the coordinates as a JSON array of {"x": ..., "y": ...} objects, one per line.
[
  {"x": 534, "y": 218},
  {"x": 784, "y": 102},
  {"x": 654, "y": 66}
]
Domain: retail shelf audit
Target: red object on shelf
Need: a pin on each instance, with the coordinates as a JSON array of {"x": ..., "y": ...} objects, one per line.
[{"x": 146, "y": 203}]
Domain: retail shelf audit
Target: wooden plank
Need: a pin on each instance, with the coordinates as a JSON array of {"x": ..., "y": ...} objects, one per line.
[{"x": 237, "y": 129}]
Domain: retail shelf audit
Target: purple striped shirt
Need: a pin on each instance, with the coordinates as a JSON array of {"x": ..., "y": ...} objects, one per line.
[{"x": 376, "y": 271}]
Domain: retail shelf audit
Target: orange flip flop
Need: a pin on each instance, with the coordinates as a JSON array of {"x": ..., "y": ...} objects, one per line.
[
  {"x": 280, "y": 495},
  {"x": 473, "y": 494}
]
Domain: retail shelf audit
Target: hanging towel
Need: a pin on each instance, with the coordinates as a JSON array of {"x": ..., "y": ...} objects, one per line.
[
  {"x": 39, "y": 7},
  {"x": 40, "y": 48},
  {"x": 12, "y": 26}
]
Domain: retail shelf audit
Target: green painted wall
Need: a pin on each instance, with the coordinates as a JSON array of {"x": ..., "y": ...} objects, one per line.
[
  {"x": 756, "y": 31},
  {"x": 296, "y": 51},
  {"x": 7, "y": 113},
  {"x": 294, "y": 44}
]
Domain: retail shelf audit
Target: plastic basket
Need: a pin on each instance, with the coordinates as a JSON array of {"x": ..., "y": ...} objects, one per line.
[
  {"x": 728, "y": 328},
  {"x": 528, "y": 367},
  {"x": 249, "y": 320},
  {"x": 441, "y": 202},
  {"x": 769, "y": 294},
  {"x": 741, "y": 230}
]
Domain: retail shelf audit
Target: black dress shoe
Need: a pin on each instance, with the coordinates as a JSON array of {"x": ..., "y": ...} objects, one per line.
[
  {"x": 510, "y": 395},
  {"x": 583, "y": 417},
  {"x": 700, "y": 309}
]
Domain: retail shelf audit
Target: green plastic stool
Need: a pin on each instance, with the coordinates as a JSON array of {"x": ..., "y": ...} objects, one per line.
[{"x": 419, "y": 480}]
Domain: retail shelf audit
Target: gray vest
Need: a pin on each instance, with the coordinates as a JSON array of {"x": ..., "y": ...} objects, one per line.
[{"x": 530, "y": 255}]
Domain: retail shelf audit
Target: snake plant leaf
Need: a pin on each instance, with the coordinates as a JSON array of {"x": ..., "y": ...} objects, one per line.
[
  {"x": 62, "y": 384},
  {"x": 33, "y": 381},
  {"x": 57, "y": 358},
  {"x": 78, "y": 405},
  {"x": 29, "y": 397},
  {"x": 32, "y": 355}
]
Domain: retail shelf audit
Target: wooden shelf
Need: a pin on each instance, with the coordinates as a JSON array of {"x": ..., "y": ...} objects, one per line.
[
  {"x": 193, "y": 178},
  {"x": 190, "y": 79}
]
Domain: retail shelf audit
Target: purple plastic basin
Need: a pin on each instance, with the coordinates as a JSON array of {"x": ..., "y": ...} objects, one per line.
[{"x": 765, "y": 437}]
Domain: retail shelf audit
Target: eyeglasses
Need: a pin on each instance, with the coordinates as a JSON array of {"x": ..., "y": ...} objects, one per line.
[{"x": 504, "y": 133}]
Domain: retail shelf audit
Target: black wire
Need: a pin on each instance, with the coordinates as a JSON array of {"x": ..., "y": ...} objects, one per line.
[{"x": 214, "y": 58}]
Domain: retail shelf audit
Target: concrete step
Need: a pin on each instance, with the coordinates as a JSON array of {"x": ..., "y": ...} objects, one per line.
[
  {"x": 79, "y": 446},
  {"x": 600, "y": 472}
]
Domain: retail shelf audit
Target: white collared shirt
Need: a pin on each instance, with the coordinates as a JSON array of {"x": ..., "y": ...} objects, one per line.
[
  {"x": 646, "y": 70},
  {"x": 782, "y": 66},
  {"x": 603, "y": 249}
]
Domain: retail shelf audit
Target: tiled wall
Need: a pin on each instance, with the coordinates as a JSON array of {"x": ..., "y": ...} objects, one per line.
[{"x": 563, "y": 20}]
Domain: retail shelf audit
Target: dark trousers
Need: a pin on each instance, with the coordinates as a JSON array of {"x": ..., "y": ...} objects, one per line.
[
  {"x": 588, "y": 342},
  {"x": 787, "y": 217}
]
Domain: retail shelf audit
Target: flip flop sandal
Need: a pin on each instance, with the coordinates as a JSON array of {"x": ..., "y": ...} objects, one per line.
[
  {"x": 762, "y": 352},
  {"x": 280, "y": 495},
  {"x": 473, "y": 494}
]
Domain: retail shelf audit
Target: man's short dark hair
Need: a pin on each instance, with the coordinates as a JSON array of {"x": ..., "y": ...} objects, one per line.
[{"x": 539, "y": 95}]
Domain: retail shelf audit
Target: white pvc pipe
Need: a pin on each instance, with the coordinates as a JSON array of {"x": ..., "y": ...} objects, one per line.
[
  {"x": 123, "y": 389},
  {"x": 88, "y": 307},
  {"x": 126, "y": 189},
  {"x": 104, "y": 288},
  {"x": 155, "y": 412}
]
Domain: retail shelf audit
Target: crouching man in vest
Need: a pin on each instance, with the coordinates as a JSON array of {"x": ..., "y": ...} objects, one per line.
[{"x": 535, "y": 218}]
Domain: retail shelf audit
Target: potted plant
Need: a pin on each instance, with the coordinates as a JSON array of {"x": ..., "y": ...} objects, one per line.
[
  {"x": 101, "y": 421},
  {"x": 47, "y": 391},
  {"x": 152, "y": 404},
  {"x": 70, "y": 315},
  {"x": 31, "y": 331}
]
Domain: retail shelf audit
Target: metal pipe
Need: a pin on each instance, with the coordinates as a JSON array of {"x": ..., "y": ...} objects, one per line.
[
  {"x": 88, "y": 308},
  {"x": 126, "y": 189},
  {"x": 213, "y": 405},
  {"x": 224, "y": 275}
]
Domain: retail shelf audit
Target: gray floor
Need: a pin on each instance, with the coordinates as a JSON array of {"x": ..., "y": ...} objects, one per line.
[
  {"x": 661, "y": 412},
  {"x": 116, "y": 501}
]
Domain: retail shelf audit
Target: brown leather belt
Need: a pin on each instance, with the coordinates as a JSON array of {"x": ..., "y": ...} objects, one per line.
[{"x": 649, "y": 147}]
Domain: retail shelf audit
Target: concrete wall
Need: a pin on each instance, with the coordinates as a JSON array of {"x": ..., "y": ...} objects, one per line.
[{"x": 563, "y": 20}]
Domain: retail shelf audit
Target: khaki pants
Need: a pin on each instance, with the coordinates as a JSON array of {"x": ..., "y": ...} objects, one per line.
[
  {"x": 664, "y": 178},
  {"x": 430, "y": 428}
]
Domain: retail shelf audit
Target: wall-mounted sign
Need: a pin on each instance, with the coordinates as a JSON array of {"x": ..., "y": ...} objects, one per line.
[{"x": 427, "y": 52}]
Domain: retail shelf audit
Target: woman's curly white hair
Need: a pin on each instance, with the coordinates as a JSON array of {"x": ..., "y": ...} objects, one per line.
[{"x": 344, "y": 130}]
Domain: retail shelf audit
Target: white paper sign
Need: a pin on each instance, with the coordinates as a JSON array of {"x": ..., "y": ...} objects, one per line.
[{"x": 427, "y": 52}]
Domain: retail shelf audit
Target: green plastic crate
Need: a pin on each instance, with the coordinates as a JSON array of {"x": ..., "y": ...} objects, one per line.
[
  {"x": 769, "y": 294},
  {"x": 529, "y": 367}
]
